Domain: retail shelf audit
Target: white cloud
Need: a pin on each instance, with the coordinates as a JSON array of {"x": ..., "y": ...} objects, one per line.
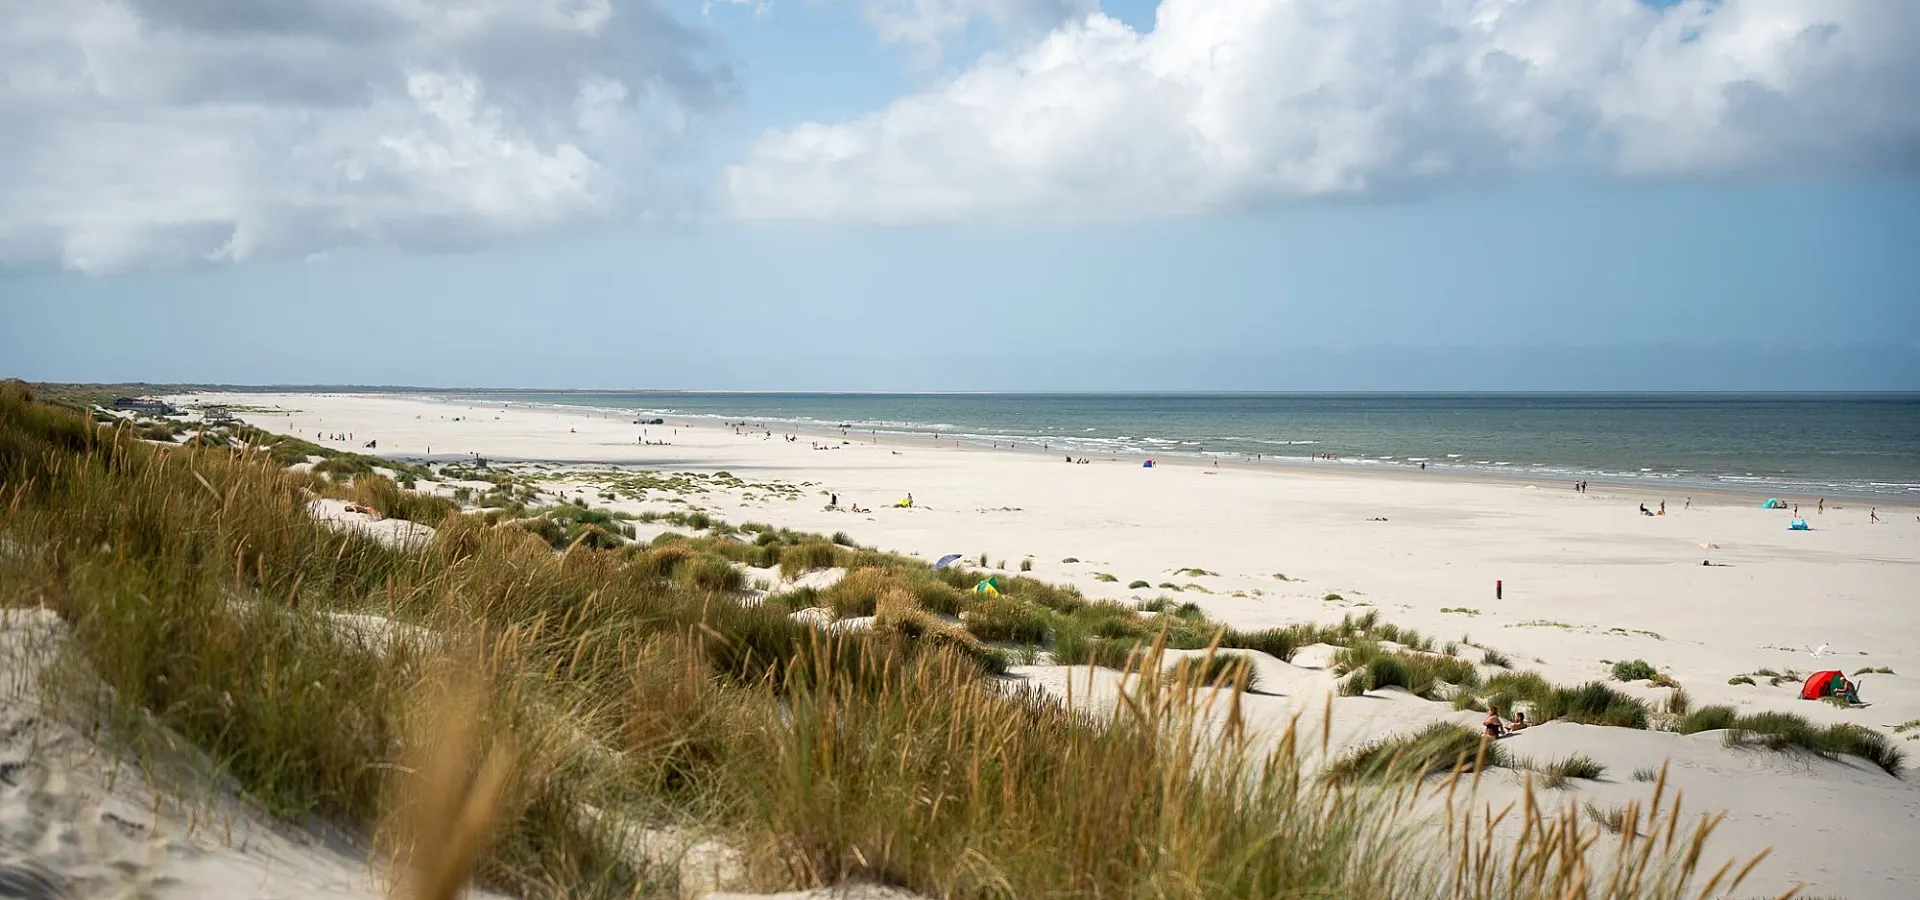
[
  {"x": 928, "y": 22},
  {"x": 160, "y": 132},
  {"x": 1229, "y": 103}
]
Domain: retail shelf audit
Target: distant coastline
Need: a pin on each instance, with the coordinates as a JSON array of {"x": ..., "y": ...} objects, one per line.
[{"x": 1853, "y": 445}]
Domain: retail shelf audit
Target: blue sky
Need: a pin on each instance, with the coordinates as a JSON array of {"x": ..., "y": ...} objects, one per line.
[{"x": 965, "y": 194}]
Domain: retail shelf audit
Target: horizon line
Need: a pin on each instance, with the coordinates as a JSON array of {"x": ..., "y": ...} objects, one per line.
[{"x": 399, "y": 388}]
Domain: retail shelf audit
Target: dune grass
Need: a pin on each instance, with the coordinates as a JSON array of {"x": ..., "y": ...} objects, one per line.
[
  {"x": 1593, "y": 703},
  {"x": 800, "y": 559},
  {"x": 1373, "y": 667},
  {"x": 606, "y": 689},
  {"x": 1439, "y": 747},
  {"x": 1789, "y": 731},
  {"x": 1556, "y": 774},
  {"x": 1633, "y": 670},
  {"x": 1217, "y": 669},
  {"x": 1279, "y": 642}
]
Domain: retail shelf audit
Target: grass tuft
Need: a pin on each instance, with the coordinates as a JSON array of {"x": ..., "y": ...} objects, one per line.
[
  {"x": 1579, "y": 765},
  {"x": 1217, "y": 670},
  {"x": 1633, "y": 670},
  {"x": 1439, "y": 747}
]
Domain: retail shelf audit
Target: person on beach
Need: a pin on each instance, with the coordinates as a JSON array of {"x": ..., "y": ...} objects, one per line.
[
  {"x": 1519, "y": 721},
  {"x": 1663, "y": 508},
  {"x": 1873, "y": 515},
  {"x": 1822, "y": 507},
  {"x": 1496, "y": 728}
]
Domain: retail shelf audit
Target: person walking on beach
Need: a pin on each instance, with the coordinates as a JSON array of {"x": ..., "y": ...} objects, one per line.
[
  {"x": 1822, "y": 508},
  {"x": 1663, "y": 507},
  {"x": 1873, "y": 515}
]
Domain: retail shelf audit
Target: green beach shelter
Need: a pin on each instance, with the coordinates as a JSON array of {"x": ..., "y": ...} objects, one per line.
[{"x": 987, "y": 588}]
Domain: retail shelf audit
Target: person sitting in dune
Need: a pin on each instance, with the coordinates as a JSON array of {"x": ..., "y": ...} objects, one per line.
[
  {"x": 1519, "y": 722},
  {"x": 1496, "y": 728},
  {"x": 1848, "y": 691}
]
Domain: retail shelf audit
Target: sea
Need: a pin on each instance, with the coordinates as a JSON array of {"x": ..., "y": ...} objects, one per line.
[{"x": 1803, "y": 445}]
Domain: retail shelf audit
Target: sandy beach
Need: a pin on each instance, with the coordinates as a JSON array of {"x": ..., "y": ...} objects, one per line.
[{"x": 1584, "y": 581}]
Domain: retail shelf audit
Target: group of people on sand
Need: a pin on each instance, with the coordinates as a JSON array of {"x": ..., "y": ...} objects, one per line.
[
  {"x": 1497, "y": 728},
  {"x": 833, "y": 503},
  {"x": 1081, "y": 461}
]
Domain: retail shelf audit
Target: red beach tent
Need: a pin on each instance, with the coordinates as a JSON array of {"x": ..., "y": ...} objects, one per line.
[{"x": 1819, "y": 684}]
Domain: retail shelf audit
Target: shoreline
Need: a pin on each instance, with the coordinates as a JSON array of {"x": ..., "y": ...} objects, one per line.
[{"x": 1620, "y": 488}]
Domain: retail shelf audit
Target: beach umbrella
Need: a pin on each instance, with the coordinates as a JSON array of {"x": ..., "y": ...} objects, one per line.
[
  {"x": 946, "y": 560},
  {"x": 987, "y": 588},
  {"x": 1709, "y": 545}
]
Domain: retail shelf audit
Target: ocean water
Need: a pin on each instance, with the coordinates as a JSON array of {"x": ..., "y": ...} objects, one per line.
[{"x": 1798, "y": 444}]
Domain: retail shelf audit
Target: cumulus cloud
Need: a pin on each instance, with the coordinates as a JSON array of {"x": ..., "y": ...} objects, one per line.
[
  {"x": 1228, "y": 103},
  {"x": 159, "y": 132}
]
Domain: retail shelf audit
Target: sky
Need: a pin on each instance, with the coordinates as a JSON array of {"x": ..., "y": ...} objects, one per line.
[{"x": 963, "y": 194}]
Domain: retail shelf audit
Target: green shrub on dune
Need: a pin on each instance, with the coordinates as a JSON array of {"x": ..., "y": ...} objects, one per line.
[
  {"x": 1633, "y": 670},
  {"x": 1008, "y": 619}
]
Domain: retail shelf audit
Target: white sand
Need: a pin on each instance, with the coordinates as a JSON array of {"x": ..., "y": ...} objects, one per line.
[
  {"x": 1587, "y": 581},
  {"x": 392, "y": 532}
]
